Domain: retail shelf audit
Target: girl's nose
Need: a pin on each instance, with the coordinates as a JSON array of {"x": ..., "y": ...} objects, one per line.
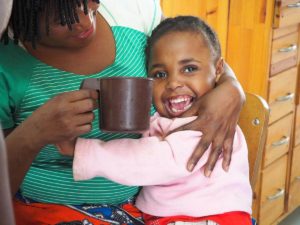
[{"x": 173, "y": 83}]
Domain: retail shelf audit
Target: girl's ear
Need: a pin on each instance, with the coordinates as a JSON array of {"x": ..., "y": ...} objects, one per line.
[{"x": 219, "y": 68}]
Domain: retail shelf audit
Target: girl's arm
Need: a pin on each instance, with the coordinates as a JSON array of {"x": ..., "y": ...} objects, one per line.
[
  {"x": 144, "y": 161},
  {"x": 218, "y": 113}
]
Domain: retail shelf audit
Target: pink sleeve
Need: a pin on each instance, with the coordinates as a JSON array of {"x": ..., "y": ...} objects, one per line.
[{"x": 144, "y": 161}]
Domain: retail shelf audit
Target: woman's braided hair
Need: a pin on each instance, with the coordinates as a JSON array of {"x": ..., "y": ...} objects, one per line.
[
  {"x": 26, "y": 16},
  {"x": 184, "y": 24}
]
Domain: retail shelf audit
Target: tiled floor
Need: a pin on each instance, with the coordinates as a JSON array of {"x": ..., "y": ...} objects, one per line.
[{"x": 293, "y": 219}]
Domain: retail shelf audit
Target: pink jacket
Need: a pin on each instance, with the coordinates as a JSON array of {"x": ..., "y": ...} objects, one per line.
[{"x": 160, "y": 166}]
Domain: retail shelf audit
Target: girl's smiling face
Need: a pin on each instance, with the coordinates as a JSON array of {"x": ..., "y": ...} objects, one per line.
[{"x": 183, "y": 69}]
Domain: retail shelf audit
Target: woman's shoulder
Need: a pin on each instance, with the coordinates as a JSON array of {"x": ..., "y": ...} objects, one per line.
[
  {"x": 141, "y": 15},
  {"x": 12, "y": 55}
]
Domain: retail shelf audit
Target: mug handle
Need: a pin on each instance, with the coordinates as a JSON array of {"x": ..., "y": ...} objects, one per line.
[{"x": 91, "y": 83}]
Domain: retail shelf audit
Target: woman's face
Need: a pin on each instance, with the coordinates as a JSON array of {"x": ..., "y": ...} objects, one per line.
[
  {"x": 80, "y": 34},
  {"x": 183, "y": 70}
]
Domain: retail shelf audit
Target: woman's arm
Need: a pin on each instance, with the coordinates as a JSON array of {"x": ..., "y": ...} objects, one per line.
[
  {"x": 65, "y": 116},
  {"x": 218, "y": 113}
]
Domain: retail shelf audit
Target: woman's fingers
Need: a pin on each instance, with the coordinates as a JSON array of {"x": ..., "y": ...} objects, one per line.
[
  {"x": 227, "y": 149},
  {"x": 212, "y": 160},
  {"x": 83, "y": 106},
  {"x": 76, "y": 102},
  {"x": 198, "y": 152},
  {"x": 220, "y": 138},
  {"x": 77, "y": 95},
  {"x": 83, "y": 129},
  {"x": 84, "y": 118}
]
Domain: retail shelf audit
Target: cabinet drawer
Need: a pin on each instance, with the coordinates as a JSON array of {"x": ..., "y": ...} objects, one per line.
[
  {"x": 294, "y": 194},
  {"x": 278, "y": 139},
  {"x": 273, "y": 191},
  {"x": 284, "y": 53},
  {"x": 282, "y": 90},
  {"x": 280, "y": 32},
  {"x": 286, "y": 13},
  {"x": 297, "y": 127}
]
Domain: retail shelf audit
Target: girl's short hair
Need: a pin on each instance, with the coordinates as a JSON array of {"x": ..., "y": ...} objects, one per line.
[
  {"x": 185, "y": 24},
  {"x": 26, "y": 17}
]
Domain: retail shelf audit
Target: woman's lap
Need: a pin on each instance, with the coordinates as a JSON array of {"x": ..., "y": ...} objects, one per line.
[
  {"x": 29, "y": 212},
  {"x": 33, "y": 213}
]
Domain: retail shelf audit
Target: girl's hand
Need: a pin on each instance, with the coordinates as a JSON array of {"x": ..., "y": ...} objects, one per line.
[
  {"x": 218, "y": 112},
  {"x": 66, "y": 147},
  {"x": 63, "y": 117}
]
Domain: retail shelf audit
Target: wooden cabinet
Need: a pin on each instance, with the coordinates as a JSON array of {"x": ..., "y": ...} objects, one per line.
[
  {"x": 262, "y": 48},
  {"x": 260, "y": 41}
]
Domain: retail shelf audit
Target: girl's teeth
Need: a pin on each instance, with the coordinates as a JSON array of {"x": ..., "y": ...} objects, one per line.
[{"x": 177, "y": 100}]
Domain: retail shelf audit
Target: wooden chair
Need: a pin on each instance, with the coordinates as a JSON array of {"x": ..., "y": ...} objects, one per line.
[
  {"x": 6, "y": 209},
  {"x": 253, "y": 122}
]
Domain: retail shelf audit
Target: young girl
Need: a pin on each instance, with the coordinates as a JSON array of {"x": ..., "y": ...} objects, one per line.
[{"x": 184, "y": 58}]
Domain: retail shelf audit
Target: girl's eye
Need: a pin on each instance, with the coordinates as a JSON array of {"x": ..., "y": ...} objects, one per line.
[
  {"x": 159, "y": 74},
  {"x": 189, "y": 69}
]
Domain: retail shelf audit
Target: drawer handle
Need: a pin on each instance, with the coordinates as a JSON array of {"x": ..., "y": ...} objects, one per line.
[
  {"x": 284, "y": 140},
  {"x": 295, "y": 5},
  {"x": 291, "y": 48},
  {"x": 278, "y": 194},
  {"x": 288, "y": 96}
]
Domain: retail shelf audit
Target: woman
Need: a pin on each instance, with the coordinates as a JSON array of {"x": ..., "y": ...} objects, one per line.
[{"x": 61, "y": 43}]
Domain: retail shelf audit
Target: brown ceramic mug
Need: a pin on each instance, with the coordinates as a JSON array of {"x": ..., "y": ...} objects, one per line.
[{"x": 124, "y": 102}]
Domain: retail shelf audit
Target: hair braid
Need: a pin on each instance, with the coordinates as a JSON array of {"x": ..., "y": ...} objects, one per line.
[
  {"x": 46, "y": 7},
  {"x": 67, "y": 13},
  {"x": 85, "y": 6},
  {"x": 74, "y": 6}
]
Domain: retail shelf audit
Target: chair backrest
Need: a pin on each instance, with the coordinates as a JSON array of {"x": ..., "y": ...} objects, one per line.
[
  {"x": 253, "y": 121},
  {"x": 6, "y": 210}
]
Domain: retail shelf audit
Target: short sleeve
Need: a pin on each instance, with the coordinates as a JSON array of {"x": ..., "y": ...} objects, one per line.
[
  {"x": 151, "y": 14},
  {"x": 141, "y": 15},
  {"x": 6, "y": 116},
  {"x": 13, "y": 81}
]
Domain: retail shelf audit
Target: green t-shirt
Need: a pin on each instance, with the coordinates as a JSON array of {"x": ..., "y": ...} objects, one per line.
[{"x": 26, "y": 83}]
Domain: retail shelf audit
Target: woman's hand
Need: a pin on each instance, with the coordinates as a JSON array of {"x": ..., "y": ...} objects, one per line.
[
  {"x": 218, "y": 112},
  {"x": 64, "y": 117}
]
